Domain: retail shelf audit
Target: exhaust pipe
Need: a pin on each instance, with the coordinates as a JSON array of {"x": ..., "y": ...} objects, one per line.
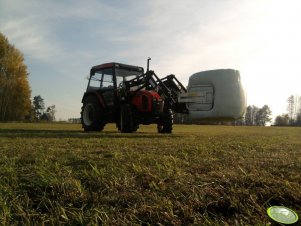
[{"x": 148, "y": 59}]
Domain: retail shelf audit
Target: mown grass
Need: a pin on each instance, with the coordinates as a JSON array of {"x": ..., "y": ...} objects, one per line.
[{"x": 55, "y": 174}]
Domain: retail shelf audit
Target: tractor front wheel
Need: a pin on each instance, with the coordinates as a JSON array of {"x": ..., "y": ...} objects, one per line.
[
  {"x": 91, "y": 115},
  {"x": 165, "y": 123}
]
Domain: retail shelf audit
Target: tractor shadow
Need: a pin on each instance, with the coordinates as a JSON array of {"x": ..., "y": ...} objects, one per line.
[{"x": 60, "y": 134}]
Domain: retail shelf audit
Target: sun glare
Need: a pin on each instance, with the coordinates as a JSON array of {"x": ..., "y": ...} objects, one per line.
[{"x": 273, "y": 73}]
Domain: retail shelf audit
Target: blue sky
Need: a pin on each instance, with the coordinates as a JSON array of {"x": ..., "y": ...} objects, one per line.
[{"x": 62, "y": 40}]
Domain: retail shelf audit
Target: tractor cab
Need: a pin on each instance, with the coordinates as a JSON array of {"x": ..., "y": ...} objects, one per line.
[
  {"x": 111, "y": 75},
  {"x": 105, "y": 79}
]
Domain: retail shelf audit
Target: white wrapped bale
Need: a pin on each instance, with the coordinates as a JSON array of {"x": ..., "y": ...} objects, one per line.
[{"x": 215, "y": 95}]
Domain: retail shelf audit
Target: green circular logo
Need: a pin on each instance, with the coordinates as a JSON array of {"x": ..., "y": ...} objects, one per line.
[{"x": 282, "y": 214}]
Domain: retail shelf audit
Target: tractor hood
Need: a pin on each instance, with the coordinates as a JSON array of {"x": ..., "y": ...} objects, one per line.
[{"x": 215, "y": 95}]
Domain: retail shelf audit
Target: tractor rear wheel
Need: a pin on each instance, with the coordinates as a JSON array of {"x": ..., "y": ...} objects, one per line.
[
  {"x": 165, "y": 123},
  {"x": 91, "y": 115},
  {"x": 126, "y": 119}
]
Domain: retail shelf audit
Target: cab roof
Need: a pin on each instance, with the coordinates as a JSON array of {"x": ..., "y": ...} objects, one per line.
[{"x": 117, "y": 65}]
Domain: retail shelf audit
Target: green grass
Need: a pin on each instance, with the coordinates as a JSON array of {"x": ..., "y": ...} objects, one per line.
[{"x": 205, "y": 175}]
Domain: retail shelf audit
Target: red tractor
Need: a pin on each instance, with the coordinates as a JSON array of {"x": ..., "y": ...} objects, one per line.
[{"x": 128, "y": 96}]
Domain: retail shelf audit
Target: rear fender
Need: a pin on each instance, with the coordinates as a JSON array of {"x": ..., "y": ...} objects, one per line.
[{"x": 97, "y": 95}]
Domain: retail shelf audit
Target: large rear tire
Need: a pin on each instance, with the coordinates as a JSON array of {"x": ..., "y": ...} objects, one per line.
[
  {"x": 165, "y": 123},
  {"x": 126, "y": 119},
  {"x": 91, "y": 115}
]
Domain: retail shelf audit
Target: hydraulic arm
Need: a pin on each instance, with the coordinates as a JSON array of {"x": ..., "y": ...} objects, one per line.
[{"x": 169, "y": 88}]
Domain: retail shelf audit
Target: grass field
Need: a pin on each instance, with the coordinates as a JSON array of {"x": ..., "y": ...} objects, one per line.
[{"x": 204, "y": 175}]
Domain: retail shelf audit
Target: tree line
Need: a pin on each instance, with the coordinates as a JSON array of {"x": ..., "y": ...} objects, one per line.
[
  {"x": 255, "y": 116},
  {"x": 15, "y": 92},
  {"x": 293, "y": 115}
]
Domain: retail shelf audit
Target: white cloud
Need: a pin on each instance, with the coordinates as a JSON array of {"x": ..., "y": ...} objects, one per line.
[
  {"x": 31, "y": 37},
  {"x": 33, "y": 25}
]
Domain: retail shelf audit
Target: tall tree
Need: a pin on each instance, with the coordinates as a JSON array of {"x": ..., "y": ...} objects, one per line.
[
  {"x": 250, "y": 117},
  {"x": 39, "y": 106},
  {"x": 291, "y": 107},
  {"x": 15, "y": 92},
  {"x": 257, "y": 116},
  {"x": 263, "y": 116},
  {"x": 298, "y": 119},
  {"x": 298, "y": 116},
  {"x": 49, "y": 115},
  {"x": 282, "y": 120}
]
